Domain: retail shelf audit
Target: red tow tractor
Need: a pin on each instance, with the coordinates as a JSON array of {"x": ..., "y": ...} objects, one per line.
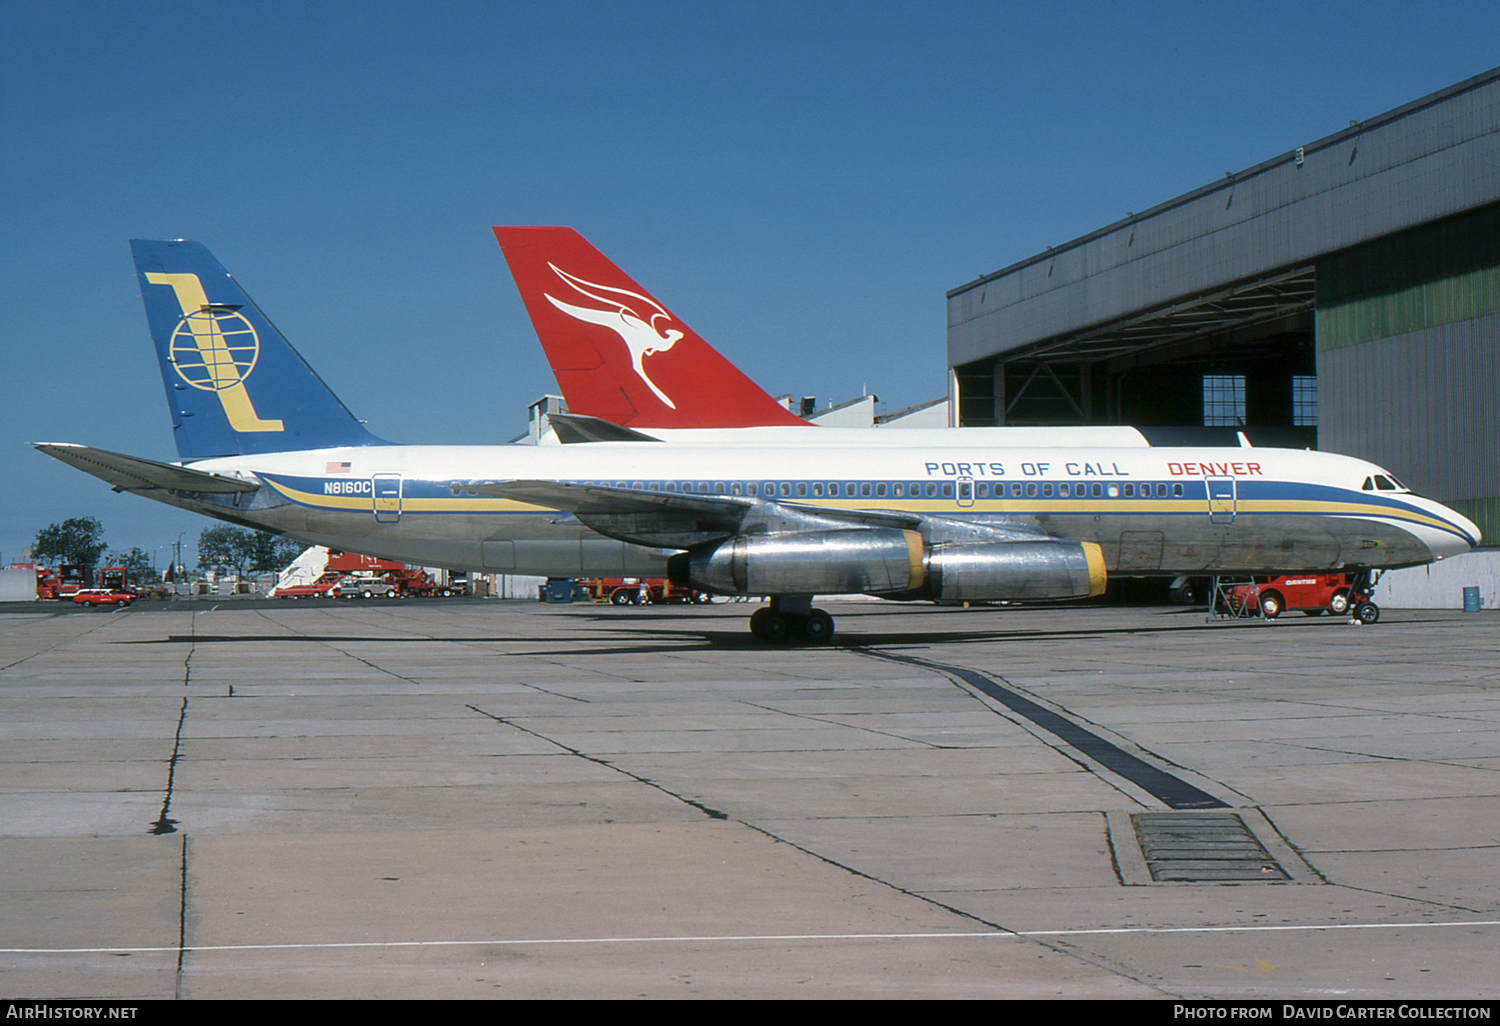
[{"x": 1313, "y": 594}]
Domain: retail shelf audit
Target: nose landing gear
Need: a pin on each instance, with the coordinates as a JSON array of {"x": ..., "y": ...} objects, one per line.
[{"x": 1364, "y": 609}]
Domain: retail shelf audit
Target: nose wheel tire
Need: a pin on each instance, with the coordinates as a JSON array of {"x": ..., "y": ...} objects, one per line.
[{"x": 1367, "y": 612}]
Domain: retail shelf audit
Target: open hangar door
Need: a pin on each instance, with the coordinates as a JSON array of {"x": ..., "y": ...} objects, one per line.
[{"x": 1242, "y": 357}]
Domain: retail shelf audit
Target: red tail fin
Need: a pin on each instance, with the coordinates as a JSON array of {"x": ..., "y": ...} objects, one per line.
[{"x": 617, "y": 353}]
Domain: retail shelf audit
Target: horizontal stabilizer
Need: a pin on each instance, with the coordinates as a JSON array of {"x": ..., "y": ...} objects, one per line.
[
  {"x": 572, "y": 428},
  {"x": 133, "y": 474}
]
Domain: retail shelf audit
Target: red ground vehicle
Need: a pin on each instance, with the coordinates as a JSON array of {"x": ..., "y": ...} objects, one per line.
[
  {"x": 326, "y": 586},
  {"x": 351, "y": 575},
  {"x": 1311, "y": 593},
  {"x": 404, "y": 579},
  {"x": 47, "y": 583},
  {"x": 89, "y": 597},
  {"x": 62, "y": 582},
  {"x": 626, "y": 591},
  {"x": 113, "y": 578}
]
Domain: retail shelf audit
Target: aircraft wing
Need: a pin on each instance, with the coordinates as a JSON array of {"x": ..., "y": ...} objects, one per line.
[
  {"x": 679, "y": 519},
  {"x": 741, "y": 544},
  {"x": 134, "y": 474}
]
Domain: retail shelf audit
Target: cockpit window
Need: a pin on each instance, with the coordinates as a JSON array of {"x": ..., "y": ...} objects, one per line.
[{"x": 1383, "y": 483}]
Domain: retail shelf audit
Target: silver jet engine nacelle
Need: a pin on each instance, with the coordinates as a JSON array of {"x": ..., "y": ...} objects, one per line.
[
  {"x": 1015, "y": 571},
  {"x": 806, "y": 563},
  {"x": 892, "y": 562}
]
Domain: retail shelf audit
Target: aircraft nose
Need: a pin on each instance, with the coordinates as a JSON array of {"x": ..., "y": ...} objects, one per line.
[{"x": 1462, "y": 536}]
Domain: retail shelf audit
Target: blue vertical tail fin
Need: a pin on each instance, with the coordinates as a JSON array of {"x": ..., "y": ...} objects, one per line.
[{"x": 234, "y": 383}]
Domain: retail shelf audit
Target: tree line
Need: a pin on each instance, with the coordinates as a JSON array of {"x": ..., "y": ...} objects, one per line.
[{"x": 79, "y": 541}]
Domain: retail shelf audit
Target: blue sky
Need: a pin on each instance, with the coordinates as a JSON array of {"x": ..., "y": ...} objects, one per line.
[{"x": 801, "y": 181}]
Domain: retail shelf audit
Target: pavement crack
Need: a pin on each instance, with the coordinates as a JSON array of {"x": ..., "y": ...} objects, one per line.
[
  {"x": 883, "y": 883},
  {"x": 164, "y": 823},
  {"x": 605, "y": 763},
  {"x": 343, "y": 651},
  {"x": 50, "y": 648},
  {"x": 1059, "y": 947},
  {"x": 848, "y": 726},
  {"x": 182, "y": 888},
  {"x": 1446, "y": 906}
]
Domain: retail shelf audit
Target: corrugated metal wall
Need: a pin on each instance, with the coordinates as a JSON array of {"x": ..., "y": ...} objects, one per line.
[
  {"x": 1432, "y": 158},
  {"x": 1408, "y": 337},
  {"x": 1424, "y": 404}
]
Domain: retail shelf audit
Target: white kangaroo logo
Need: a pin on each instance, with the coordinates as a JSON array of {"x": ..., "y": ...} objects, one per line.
[{"x": 640, "y": 334}]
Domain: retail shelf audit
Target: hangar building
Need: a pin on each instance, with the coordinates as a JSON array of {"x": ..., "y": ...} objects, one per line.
[{"x": 1344, "y": 295}]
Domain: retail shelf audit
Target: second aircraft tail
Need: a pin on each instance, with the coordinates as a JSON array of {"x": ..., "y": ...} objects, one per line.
[{"x": 617, "y": 353}]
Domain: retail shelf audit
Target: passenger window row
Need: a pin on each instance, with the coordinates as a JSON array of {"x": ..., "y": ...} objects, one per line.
[
  {"x": 912, "y": 489},
  {"x": 1081, "y": 489}
]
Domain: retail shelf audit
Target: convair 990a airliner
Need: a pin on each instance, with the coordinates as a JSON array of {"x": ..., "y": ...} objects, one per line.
[{"x": 263, "y": 443}]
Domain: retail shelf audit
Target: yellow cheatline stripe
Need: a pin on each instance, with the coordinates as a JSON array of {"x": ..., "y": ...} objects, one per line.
[
  {"x": 477, "y": 504},
  {"x": 1347, "y": 509},
  {"x": 365, "y": 503},
  {"x": 355, "y": 502}
]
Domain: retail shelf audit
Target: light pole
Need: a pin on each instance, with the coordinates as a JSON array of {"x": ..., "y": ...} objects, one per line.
[{"x": 177, "y": 568}]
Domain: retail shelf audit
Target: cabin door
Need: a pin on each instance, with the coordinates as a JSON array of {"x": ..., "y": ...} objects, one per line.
[
  {"x": 387, "y": 498},
  {"x": 1221, "y": 500}
]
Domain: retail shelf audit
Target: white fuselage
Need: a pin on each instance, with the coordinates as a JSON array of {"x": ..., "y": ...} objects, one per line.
[{"x": 1151, "y": 510}]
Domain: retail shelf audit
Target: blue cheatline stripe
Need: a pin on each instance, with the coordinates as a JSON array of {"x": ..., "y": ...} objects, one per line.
[
  {"x": 437, "y": 497},
  {"x": 1169, "y": 790}
]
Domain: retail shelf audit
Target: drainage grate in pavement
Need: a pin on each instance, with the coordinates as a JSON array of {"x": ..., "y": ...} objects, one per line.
[{"x": 1203, "y": 847}]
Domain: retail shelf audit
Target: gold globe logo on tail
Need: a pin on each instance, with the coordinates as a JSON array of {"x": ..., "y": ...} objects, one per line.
[{"x": 214, "y": 348}]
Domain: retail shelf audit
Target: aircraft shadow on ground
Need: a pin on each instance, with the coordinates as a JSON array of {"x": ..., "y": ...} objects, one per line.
[{"x": 594, "y": 632}]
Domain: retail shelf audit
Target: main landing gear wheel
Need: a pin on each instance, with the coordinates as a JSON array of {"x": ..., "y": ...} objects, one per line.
[
  {"x": 817, "y": 627},
  {"x": 770, "y": 626},
  {"x": 777, "y": 628}
]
